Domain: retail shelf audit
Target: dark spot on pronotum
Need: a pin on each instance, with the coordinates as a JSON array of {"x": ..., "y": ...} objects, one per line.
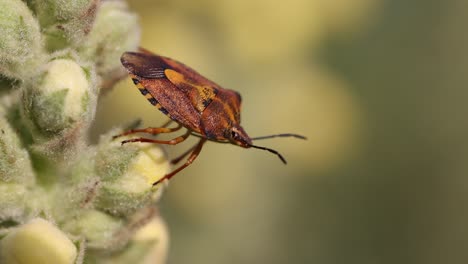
[
  {"x": 206, "y": 102},
  {"x": 163, "y": 110},
  {"x": 135, "y": 81},
  {"x": 3, "y": 131},
  {"x": 153, "y": 101},
  {"x": 144, "y": 91}
]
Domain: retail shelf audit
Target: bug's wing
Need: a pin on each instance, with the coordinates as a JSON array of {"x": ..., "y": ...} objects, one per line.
[
  {"x": 147, "y": 72},
  {"x": 144, "y": 65},
  {"x": 199, "y": 89},
  {"x": 200, "y": 95}
]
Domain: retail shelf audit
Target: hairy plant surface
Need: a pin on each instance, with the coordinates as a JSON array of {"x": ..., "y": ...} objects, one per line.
[{"x": 63, "y": 200}]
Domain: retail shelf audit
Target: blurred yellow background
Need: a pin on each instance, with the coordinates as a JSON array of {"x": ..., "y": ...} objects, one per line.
[{"x": 379, "y": 89}]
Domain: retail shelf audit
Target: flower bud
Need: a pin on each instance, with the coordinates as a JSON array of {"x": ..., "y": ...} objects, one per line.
[
  {"x": 129, "y": 173},
  {"x": 114, "y": 32},
  {"x": 64, "y": 23},
  {"x": 15, "y": 164},
  {"x": 155, "y": 233},
  {"x": 149, "y": 245},
  {"x": 98, "y": 228},
  {"x": 37, "y": 242},
  {"x": 21, "y": 46},
  {"x": 112, "y": 159},
  {"x": 61, "y": 98},
  {"x": 75, "y": 192}
]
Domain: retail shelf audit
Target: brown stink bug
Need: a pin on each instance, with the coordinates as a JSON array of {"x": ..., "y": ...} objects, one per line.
[{"x": 204, "y": 108}]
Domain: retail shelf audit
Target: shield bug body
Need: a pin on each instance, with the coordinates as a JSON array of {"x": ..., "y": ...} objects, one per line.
[{"x": 204, "y": 108}]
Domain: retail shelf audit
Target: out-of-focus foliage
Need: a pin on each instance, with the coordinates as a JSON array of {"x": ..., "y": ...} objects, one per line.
[{"x": 378, "y": 87}]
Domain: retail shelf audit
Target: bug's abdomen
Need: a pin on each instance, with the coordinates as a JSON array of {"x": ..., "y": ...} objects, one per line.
[
  {"x": 171, "y": 102},
  {"x": 149, "y": 96}
]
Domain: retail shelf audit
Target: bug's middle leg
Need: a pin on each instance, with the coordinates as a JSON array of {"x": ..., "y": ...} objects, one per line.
[
  {"x": 183, "y": 155},
  {"x": 151, "y": 130},
  {"x": 173, "y": 141}
]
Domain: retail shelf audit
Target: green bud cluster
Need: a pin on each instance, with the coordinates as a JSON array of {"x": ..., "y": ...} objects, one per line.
[{"x": 63, "y": 200}]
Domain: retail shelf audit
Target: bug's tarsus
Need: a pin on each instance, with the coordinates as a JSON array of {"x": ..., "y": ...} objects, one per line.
[
  {"x": 280, "y": 135},
  {"x": 272, "y": 151},
  {"x": 189, "y": 161}
]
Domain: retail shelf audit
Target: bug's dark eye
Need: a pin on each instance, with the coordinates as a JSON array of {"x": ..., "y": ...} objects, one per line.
[{"x": 234, "y": 134}]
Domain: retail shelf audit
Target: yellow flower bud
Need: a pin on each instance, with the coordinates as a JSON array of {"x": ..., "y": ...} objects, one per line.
[
  {"x": 37, "y": 242},
  {"x": 61, "y": 98},
  {"x": 132, "y": 189}
]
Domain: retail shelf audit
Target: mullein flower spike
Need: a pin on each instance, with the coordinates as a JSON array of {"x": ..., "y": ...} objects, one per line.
[{"x": 63, "y": 200}]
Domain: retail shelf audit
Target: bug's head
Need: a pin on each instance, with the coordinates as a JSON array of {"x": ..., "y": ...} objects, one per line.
[{"x": 238, "y": 136}]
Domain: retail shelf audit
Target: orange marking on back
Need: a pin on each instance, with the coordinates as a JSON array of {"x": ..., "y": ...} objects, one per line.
[{"x": 200, "y": 95}]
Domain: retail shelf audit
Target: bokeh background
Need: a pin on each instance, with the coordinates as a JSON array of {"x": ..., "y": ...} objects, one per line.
[{"x": 379, "y": 87}]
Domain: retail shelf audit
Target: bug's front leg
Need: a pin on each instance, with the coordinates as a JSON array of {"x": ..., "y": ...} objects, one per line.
[
  {"x": 173, "y": 141},
  {"x": 151, "y": 130},
  {"x": 189, "y": 161}
]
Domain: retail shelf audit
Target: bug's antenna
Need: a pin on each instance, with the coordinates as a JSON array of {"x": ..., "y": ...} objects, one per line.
[
  {"x": 272, "y": 151},
  {"x": 280, "y": 135}
]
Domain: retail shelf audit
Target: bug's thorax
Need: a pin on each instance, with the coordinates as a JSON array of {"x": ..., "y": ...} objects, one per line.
[{"x": 237, "y": 136}]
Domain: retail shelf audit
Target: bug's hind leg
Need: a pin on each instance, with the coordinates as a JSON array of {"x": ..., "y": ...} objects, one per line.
[
  {"x": 151, "y": 130},
  {"x": 173, "y": 141},
  {"x": 192, "y": 157},
  {"x": 183, "y": 155}
]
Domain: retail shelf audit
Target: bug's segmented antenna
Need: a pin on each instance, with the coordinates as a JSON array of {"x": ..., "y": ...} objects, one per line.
[
  {"x": 274, "y": 136},
  {"x": 272, "y": 151},
  {"x": 280, "y": 135}
]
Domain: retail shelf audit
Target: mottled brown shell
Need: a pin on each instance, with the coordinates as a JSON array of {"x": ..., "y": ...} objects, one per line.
[{"x": 183, "y": 94}]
